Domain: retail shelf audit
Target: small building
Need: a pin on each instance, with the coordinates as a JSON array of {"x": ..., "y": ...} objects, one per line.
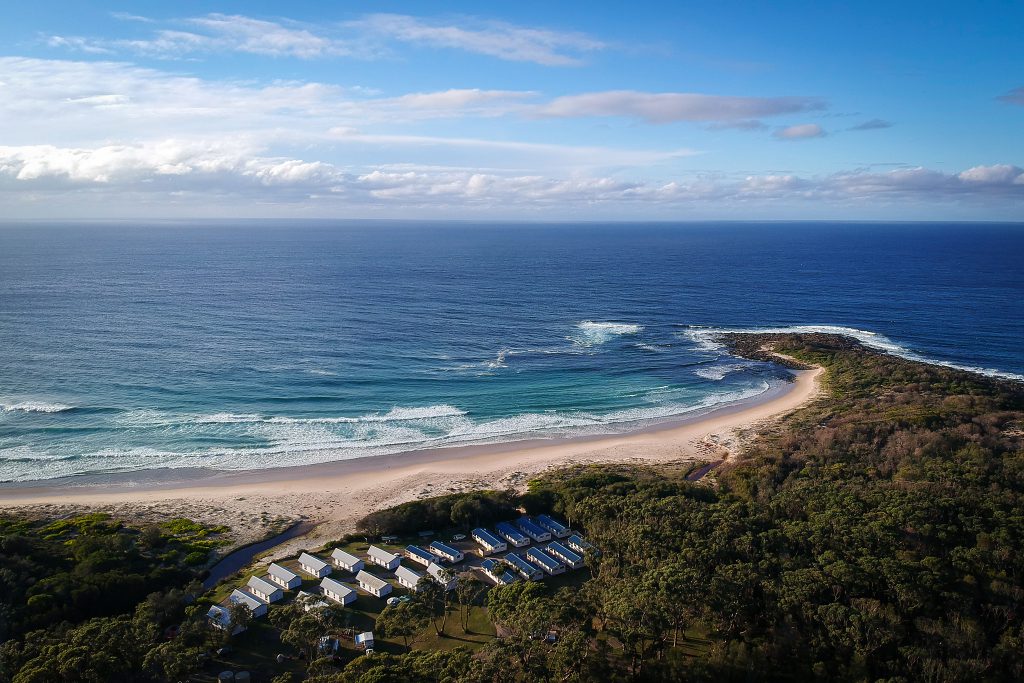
[
  {"x": 346, "y": 561},
  {"x": 220, "y": 617},
  {"x": 337, "y": 591},
  {"x": 554, "y": 526},
  {"x": 577, "y": 543},
  {"x": 420, "y": 556},
  {"x": 497, "y": 573},
  {"x": 535, "y": 532},
  {"x": 257, "y": 608},
  {"x": 408, "y": 578},
  {"x": 545, "y": 561},
  {"x": 525, "y": 569},
  {"x": 373, "y": 585},
  {"x": 311, "y": 564},
  {"x": 446, "y": 552},
  {"x": 309, "y": 601},
  {"x": 488, "y": 542},
  {"x": 383, "y": 558},
  {"x": 438, "y": 573},
  {"x": 365, "y": 640},
  {"x": 512, "y": 534},
  {"x": 264, "y": 590},
  {"x": 560, "y": 552},
  {"x": 283, "y": 576}
]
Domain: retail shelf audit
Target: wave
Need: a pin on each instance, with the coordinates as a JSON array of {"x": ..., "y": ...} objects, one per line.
[
  {"x": 590, "y": 333},
  {"x": 706, "y": 340},
  {"x": 142, "y": 418},
  {"x": 35, "y": 407}
]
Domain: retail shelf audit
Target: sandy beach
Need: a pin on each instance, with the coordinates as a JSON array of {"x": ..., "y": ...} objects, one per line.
[{"x": 333, "y": 495}]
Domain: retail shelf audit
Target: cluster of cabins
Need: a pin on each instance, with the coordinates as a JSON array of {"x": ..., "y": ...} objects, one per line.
[
  {"x": 536, "y": 562},
  {"x": 563, "y": 550}
]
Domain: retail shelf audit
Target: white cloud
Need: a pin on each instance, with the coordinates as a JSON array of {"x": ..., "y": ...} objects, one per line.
[
  {"x": 668, "y": 107},
  {"x": 802, "y": 131},
  {"x": 495, "y": 39},
  {"x": 998, "y": 174}
]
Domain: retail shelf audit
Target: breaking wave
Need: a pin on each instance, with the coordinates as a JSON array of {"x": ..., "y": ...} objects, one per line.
[
  {"x": 590, "y": 333},
  {"x": 705, "y": 339},
  {"x": 34, "y": 407}
]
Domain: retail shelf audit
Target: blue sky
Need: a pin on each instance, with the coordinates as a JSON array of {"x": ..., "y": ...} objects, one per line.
[{"x": 528, "y": 110}]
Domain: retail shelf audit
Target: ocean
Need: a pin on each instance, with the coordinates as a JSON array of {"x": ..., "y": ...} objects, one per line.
[{"x": 127, "y": 347}]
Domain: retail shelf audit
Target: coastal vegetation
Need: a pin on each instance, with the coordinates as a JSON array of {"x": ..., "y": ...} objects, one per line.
[{"x": 873, "y": 535}]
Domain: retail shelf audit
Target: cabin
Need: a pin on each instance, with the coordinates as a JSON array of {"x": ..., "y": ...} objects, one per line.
[
  {"x": 383, "y": 558},
  {"x": 446, "y": 552},
  {"x": 524, "y": 568},
  {"x": 560, "y": 552},
  {"x": 408, "y": 577},
  {"x": 373, "y": 585},
  {"x": 220, "y": 617},
  {"x": 346, "y": 561},
  {"x": 497, "y": 573},
  {"x": 283, "y": 577},
  {"x": 264, "y": 590},
  {"x": 420, "y": 556},
  {"x": 313, "y": 565},
  {"x": 257, "y": 608},
  {"x": 437, "y": 573},
  {"x": 577, "y": 543},
  {"x": 545, "y": 561},
  {"x": 337, "y": 591},
  {"x": 554, "y": 526},
  {"x": 512, "y": 534},
  {"x": 488, "y": 542},
  {"x": 365, "y": 640},
  {"x": 535, "y": 532},
  {"x": 309, "y": 601}
]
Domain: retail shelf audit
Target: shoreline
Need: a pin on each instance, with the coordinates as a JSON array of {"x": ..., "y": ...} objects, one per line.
[{"x": 350, "y": 488}]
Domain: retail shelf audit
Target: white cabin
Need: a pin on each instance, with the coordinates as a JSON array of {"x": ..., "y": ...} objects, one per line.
[
  {"x": 337, "y": 591},
  {"x": 383, "y": 558},
  {"x": 313, "y": 565},
  {"x": 408, "y": 577},
  {"x": 446, "y": 551},
  {"x": 257, "y": 608},
  {"x": 437, "y": 573},
  {"x": 373, "y": 585},
  {"x": 264, "y": 590},
  {"x": 346, "y": 561},
  {"x": 283, "y": 577}
]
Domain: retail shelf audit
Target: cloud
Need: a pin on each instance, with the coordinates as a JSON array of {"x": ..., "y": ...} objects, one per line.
[
  {"x": 802, "y": 131},
  {"x": 670, "y": 107},
  {"x": 873, "y": 124},
  {"x": 218, "y": 169},
  {"x": 126, "y": 16},
  {"x": 1015, "y": 96},
  {"x": 1000, "y": 174},
  {"x": 215, "y": 33},
  {"x": 495, "y": 39}
]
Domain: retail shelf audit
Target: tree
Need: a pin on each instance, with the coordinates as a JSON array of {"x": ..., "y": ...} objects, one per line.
[
  {"x": 403, "y": 620},
  {"x": 468, "y": 590}
]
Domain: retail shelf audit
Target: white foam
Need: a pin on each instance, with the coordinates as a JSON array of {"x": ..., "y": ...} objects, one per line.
[
  {"x": 704, "y": 337},
  {"x": 590, "y": 333},
  {"x": 34, "y": 407},
  {"x": 719, "y": 372}
]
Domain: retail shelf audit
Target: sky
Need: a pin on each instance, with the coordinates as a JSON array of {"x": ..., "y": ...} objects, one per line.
[{"x": 513, "y": 111}]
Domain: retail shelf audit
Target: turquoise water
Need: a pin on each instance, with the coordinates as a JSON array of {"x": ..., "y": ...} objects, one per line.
[{"x": 231, "y": 346}]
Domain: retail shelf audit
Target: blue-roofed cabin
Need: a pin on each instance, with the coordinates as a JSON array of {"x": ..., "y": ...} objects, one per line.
[
  {"x": 525, "y": 569},
  {"x": 512, "y": 534},
  {"x": 550, "y": 564},
  {"x": 535, "y": 532},
  {"x": 570, "y": 558},
  {"x": 446, "y": 552},
  {"x": 497, "y": 572},
  {"x": 554, "y": 526},
  {"x": 577, "y": 543},
  {"x": 420, "y": 556},
  {"x": 488, "y": 542}
]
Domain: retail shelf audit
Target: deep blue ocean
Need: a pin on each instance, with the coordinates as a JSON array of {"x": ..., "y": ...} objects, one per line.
[{"x": 251, "y": 345}]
